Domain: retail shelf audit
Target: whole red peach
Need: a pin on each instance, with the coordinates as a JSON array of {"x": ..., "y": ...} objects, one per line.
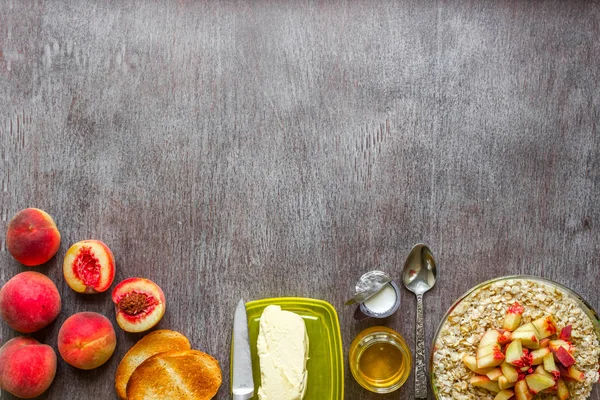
[
  {"x": 32, "y": 237},
  {"x": 86, "y": 340},
  {"x": 27, "y": 367},
  {"x": 29, "y": 301}
]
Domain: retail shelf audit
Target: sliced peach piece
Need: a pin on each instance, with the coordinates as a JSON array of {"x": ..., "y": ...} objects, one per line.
[
  {"x": 489, "y": 361},
  {"x": 564, "y": 357},
  {"x": 514, "y": 352},
  {"x": 510, "y": 372},
  {"x": 540, "y": 370},
  {"x": 544, "y": 343},
  {"x": 537, "y": 356},
  {"x": 503, "y": 383},
  {"x": 490, "y": 337},
  {"x": 529, "y": 336},
  {"x": 555, "y": 344},
  {"x": 494, "y": 374},
  {"x": 539, "y": 382},
  {"x": 563, "y": 391},
  {"x": 486, "y": 383},
  {"x": 565, "y": 333},
  {"x": 32, "y": 237},
  {"x": 89, "y": 267},
  {"x": 489, "y": 349},
  {"x": 512, "y": 320},
  {"x": 504, "y": 395},
  {"x": 522, "y": 391},
  {"x": 139, "y": 304},
  {"x": 574, "y": 374},
  {"x": 489, "y": 356},
  {"x": 550, "y": 365},
  {"x": 505, "y": 338},
  {"x": 546, "y": 326},
  {"x": 471, "y": 363}
]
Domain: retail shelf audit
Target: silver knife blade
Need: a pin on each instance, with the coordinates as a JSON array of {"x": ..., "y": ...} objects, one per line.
[{"x": 242, "y": 381}]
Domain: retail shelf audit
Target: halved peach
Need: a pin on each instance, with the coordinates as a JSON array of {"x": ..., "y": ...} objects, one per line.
[
  {"x": 139, "y": 304},
  {"x": 89, "y": 267}
]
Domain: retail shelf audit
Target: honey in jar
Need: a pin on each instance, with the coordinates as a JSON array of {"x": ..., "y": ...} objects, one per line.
[{"x": 380, "y": 360}]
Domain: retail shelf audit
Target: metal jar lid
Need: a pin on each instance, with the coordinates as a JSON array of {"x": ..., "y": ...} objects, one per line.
[{"x": 368, "y": 285}]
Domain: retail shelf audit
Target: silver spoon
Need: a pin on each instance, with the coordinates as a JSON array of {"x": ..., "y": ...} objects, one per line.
[{"x": 419, "y": 276}]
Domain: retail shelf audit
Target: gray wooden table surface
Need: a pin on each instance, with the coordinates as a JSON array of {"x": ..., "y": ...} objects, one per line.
[{"x": 258, "y": 149}]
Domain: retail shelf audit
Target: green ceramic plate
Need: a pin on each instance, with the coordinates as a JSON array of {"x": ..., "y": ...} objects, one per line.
[{"x": 325, "y": 364}]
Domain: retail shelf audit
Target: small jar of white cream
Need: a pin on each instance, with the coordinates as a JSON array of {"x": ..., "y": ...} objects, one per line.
[{"x": 382, "y": 304}]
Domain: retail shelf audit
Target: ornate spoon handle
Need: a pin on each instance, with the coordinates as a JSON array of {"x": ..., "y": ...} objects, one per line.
[{"x": 420, "y": 374}]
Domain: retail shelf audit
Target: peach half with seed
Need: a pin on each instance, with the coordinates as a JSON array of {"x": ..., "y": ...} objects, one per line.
[
  {"x": 32, "y": 237},
  {"x": 139, "y": 304},
  {"x": 89, "y": 267}
]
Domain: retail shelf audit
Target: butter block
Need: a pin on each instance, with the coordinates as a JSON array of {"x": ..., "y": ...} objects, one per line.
[{"x": 283, "y": 353}]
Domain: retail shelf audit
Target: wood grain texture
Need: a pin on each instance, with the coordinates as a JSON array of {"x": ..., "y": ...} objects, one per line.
[{"x": 270, "y": 148}]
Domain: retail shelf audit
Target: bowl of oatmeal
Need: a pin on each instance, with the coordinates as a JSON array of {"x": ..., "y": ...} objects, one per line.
[{"x": 484, "y": 308}]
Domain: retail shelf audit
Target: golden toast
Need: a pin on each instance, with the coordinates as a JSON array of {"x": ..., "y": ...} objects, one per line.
[
  {"x": 153, "y": 343},
  {"x": 176, "y": 375}
]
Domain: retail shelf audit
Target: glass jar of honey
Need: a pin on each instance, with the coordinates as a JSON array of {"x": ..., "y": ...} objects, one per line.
[{"x": 380, "y": 360}]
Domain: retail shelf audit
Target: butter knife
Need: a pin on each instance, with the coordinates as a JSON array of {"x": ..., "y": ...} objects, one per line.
[{"x": 242, "y": 382}]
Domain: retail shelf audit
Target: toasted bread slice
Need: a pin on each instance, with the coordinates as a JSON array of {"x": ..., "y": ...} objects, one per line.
[
  {"x": 153, "y": 343},
  {"x": 176, "y": 375}
]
